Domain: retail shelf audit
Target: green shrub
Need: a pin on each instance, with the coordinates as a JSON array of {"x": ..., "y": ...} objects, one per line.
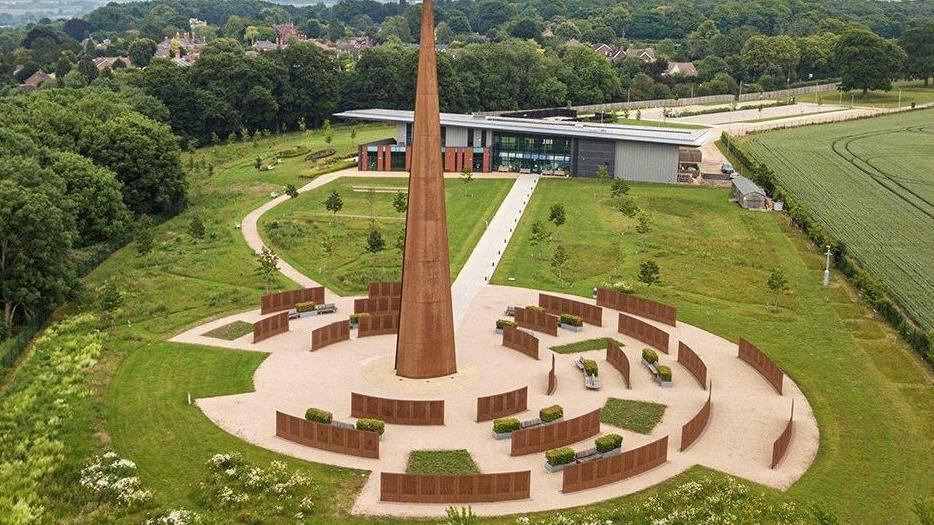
[
  {"x": 650, "y": 355},
  {"x": 505, "y": 425},
  {"x": 535, "y": 308},
  {"x": 560, "y": 456},
  {"x": 503, "y": 323},
  {"x": 619, "y": 286},
  {"x": 608, "y": 442},
  {"x": 590, "y": 367},
  {"x": 294, "y": 152},
  {"x": 664, "y": 373},
  {"x": 573, "y": 320},
  {"x": 552, "y": 413},
  {"x": 355, "y": 318},
  {"x": 371, "y": 425},
  {"x": 316, "y": 414},
  {"x": 306, "y": 306},
  {"x": 320, "y": 154}
]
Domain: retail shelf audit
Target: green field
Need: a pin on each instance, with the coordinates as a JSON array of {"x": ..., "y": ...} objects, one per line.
[
  {"x": 638, "y": 416},
  {"x": 870, "y": 183},
  {"x": 441, "y": 462},
  {"x": 296, "y": 228},
  {"x": 872, "y": 399},
  {"x": 911, "y": 91}
]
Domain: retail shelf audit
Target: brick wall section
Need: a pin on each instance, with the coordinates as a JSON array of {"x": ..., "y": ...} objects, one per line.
[
  {"x": 547, "y": 437},
  {"x": 616, "y": 468},
  {"x": 692, "y": 430},
  {"x": 780, "y": 446},
  {"x": 616, "y": 357},
  {"x": 276, "y": 302},
  {"x": 637, "y": 306},
  {"x": 467, "y": 488},
  {"x": 270, "y": 326},
  {"x": 693, "y": 363},
  {"x": 378, "y": 324},
  {"x": 348, "y": 441},
  {"x": 538, "y": 321},
  {"x": 644, "y": 332},
  {"x": 521, "y": 341},
  {"x": 330, "y": 334},
  {"x": 501, "y": 405},
  {"x": 559, "y": 305},
  {"x": 761, "y": 363},
  {"x": 397, "y": 411}
]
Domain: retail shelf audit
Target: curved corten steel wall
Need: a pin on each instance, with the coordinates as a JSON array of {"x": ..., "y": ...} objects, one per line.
[
  {"x": 757, "y": 359},
  {"x": 276, "y": 302},
  {"x": 330, "y": 334},
  {"x": 637, "y": 306},
  {"x": 559, "y": 305},
  {"x": 348, "y": 441},
  {"x": 380, "y": 304},
  {"x": 270, "y": 326},
  {"x": 385, "y": 289},
  {"x": 467, "y": 488},
  {"x": 378, "y": 324},
  {"x": 693, "y": 363},
  {"x": 397, "y": 411},
  {"x": 500, "y": 405},
  {"x": 547, "y": 437},
  {"x": 691, "y": 430},
  {"x": 616, "y": 468},
  {"x": 644, "y": 332},
  {"x": 780, "y": 446},
  {"x": 538, "y": 321},
  {"x": 521, "y": 341},
  {"x": 616, "y": 357},
  {"x": 552, "y": 378}
]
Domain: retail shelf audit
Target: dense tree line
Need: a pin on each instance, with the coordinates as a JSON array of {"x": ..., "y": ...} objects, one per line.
[{"x": 76, "y": 166}]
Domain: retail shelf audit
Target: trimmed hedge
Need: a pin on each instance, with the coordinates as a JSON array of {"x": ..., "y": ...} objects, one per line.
[
  {"x": 867, "y": 284},
  {"x": 535, "y": 308},
  {"x": 306, "y": 306},
  {"x": 503, "y": 323},
  {"x": 316, "y": 414},
  {"x": 355, "y": 318},
  {"x": 320, "y": 154},
  {"x": 650, "y": 355},
  {"x": 560, "y": 456},
  {"x": 590, "y": 367},
  {"x": 552, "y": 413},
  {"x": 371, "y": 425},
  {"x": 664, "y": 373},
  {"x": 505, "y": 425},
  {"x": 608, "y": 442},
  {"x": 295, "y": 151},
  {"x": 573, "y": 320}
]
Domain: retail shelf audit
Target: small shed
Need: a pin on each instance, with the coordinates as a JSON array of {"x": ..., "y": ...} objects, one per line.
[{"x": 748, "y": 194}]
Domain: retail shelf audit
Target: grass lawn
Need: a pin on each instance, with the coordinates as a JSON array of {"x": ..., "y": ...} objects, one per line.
[
  {"x": 872, "y": 399},
  {"x": 441, "y": 462},
  {"x": 229, "y": 332},
  {"x": 638, "y": 416},
  {"x": 299, "y": 229},
  {"x": 657, "y": 123},
  {"x": 583, "y": 346},
  {"x": 911, "y": 91}
]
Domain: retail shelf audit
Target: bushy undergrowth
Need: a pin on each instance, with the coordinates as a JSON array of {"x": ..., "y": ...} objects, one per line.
[
  {"x": 34, "y": 412},
  {"x": 707, "y": 501},
  {"x": 113, "y": 480}
]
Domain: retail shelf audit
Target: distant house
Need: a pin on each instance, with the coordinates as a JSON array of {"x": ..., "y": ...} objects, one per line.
[
  {"x": 103, "y": 63},
  {"x": 35, "y": 80},
  {"x": 685, "y": 69},
  {"x": 748, "y": 194},
  {"x": 181, "y": 44},
  {"x": 607, "y": 50},
  {"x": 645, "y": 54},
  {"x": 262, "y": 46}
]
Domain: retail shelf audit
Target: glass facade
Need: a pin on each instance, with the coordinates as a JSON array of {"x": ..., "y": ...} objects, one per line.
[{"x": 531, "y": 153}]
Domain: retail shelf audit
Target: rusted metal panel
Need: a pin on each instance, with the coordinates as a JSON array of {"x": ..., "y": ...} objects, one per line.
[
  {"x": 397, "y": 411},
  {"x": 270, "y": 326},
  {"x": 637, "y": 306},
  {"x": 500, "y": 405}
]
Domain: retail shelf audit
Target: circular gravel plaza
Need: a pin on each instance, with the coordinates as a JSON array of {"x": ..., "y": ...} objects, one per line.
[{"x": 747, "y": 415}]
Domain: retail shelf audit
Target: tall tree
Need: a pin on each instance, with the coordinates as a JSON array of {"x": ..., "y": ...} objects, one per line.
[
  {"x": 867, "y": 61},
  {"x": 918, "y": 44},
  {"x": 141, "y": 51}
]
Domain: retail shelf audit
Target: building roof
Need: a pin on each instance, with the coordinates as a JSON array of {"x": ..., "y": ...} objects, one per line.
[
  {"x": 683, "y": 68},
  {"x": 675, "y": 136},
  {"x": 746, "y": 186}
]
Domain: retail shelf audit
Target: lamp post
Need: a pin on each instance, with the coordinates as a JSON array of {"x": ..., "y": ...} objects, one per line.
[{"x": 827, "y": 268}]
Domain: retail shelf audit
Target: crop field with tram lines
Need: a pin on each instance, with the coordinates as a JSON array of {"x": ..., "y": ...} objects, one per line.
[{"x": 870, "y": 183}]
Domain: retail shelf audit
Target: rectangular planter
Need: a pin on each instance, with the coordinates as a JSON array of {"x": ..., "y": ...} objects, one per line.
[
  {"x": 501, "y": 435},
  {"x": 555, "y": 468},
  {"x": 572, "y": 327},
  {"x": 499, "y": 330},
  {"x": 615, "y": 452}
]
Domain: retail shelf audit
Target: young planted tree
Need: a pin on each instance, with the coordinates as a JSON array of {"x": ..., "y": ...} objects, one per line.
[
  {"x": 466, "y": 178},
  {"x": 267, "y": 265},
  {"x": 557, "y": 215},
  {"x": 619, "y": 188},
  {"x": 778, "y": 284},
  {"x": 196, "y": 227},
  {"x": 539, "y": 236},
  {"x": 643, "y": 226},
  {"x": 144, "y": 235},
  {"x": 328, "y": 132},
  {"x": 558, "y": 260},
  {"x": 603, "y": 174},
  {"x": 375, "y": 242},
  {"x": 258, "y": 163},
  {"x": 400, "y": 202},
  {"x": 649, "y": 273},
  {"x": 291, "y": 191},
  {"x": 334, "y": 204}
]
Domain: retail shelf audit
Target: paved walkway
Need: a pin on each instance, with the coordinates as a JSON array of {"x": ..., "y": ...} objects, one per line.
[{"x": 482, "y": 262}]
